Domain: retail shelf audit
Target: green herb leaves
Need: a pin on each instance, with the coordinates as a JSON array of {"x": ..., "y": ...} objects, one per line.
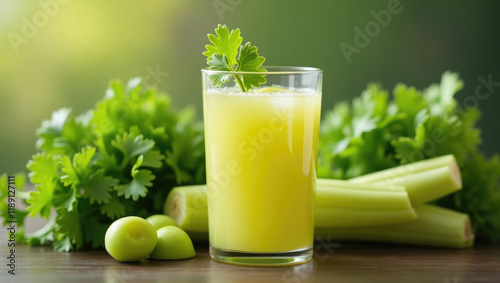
[
  {"x": 121, "y": 158},
  {"x": 376, "y": 134},
  {"x": 41, "y": 200},
  {"x": 131, "y": 145},
  {"x": 224, "y": 43},
  {"x": 250, "y": 61},
  {"x": 222, "y": 57},
  {"x": 98, "y": 187},
  {"x": 140, "y": 180}
]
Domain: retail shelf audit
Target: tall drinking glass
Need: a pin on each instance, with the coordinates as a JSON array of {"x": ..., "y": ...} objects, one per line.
[{"x": 261, "y": 157}]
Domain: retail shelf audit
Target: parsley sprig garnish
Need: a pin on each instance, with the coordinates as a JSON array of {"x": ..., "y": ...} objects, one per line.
[{"x": 222, "y": 56}]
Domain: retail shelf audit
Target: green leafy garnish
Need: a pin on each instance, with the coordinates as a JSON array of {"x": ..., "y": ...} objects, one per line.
[
  {"x": 121, "y": 158},
  {"x": 376, "y": 133},
  {"x": 221, "y": 56}
]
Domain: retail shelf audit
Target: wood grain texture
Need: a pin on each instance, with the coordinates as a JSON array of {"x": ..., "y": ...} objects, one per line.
[{"x": 344, "y": 262}]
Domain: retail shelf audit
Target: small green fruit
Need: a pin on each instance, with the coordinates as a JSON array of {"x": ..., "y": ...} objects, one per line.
[
  {"x": 130, "y": 239},
  {"x": 173, "y": 243},
  {"x": 160, "y": 220}
]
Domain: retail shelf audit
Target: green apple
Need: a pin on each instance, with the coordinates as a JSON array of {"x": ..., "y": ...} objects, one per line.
[
  {"x": 173, "y": 243},
  {"x": 161, "y": 220},
  {"x": 130, "y": 238}
]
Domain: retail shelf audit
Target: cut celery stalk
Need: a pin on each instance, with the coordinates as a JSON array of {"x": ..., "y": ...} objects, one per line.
[
  {"x": 338, "y": 193},
  {"x": 435, "y": 226},
  {"x": 187, "y": 206},
  {"x": 345, "y": 204},
  {"x": 424, "y": 180},
  {"x": 338, "y": 204},
  {"x": 348, "y": 217}
]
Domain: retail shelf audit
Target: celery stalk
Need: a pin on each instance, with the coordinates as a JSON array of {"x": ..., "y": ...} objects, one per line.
[
  {"x": 344, "y": 204},
  {"x": 435, "y": 226},
  {"x": 338, "y": 204},
  {"x": 424, "y": 181},
  {"x": 338, "y": 193},
  {"x": 187, "y": 205},
  {"x": 348, "y": 217}
]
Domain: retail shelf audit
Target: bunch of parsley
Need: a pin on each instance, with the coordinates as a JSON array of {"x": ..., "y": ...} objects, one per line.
[
  {"x": 376, "y": 133},
  {"x": 119, "y": 159}
]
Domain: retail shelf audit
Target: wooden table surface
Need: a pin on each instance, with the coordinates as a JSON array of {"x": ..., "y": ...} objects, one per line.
[{"x": 333, "y": 262}]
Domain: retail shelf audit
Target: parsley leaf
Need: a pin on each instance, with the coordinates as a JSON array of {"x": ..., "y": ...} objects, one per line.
[
  {"x": 41, "y": 200},
  {"x": 65, "y": 197},
  {"x": 43, "y": 167},
  {"x": 114, "y": 208},
  {"x": 95, "y": 233},
  {"x": 186, "y": 149},
  {"x": 131, "y": 145},
  {"x": 221, "y": 56},
  {"x": 52, "y": 129},
  {"x": 220, "y": 63},
  {"x": 153, "y": 158},
  {"x": 225, "y": 43},
  {"x": 138, "y": 186},
  {"x": 63, "y": 243},
  {"x": 78, "y": 170},
  {"x": 68, "y": 224},
  {"x": 250, "y": 61},
  {"x": 98, "y": 187}
]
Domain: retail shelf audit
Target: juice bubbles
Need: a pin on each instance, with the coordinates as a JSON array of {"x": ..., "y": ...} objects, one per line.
[{"x": 261, "y": 151}]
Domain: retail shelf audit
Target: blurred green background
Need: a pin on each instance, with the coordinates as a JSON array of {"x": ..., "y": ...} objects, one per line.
[{"x": 57, "y": 54}]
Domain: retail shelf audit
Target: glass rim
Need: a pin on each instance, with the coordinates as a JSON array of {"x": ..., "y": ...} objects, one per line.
[{"x": 270, "y": 70}]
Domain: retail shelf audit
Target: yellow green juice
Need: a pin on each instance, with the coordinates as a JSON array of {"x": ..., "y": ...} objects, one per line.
[{"x": 261, "y": 151}]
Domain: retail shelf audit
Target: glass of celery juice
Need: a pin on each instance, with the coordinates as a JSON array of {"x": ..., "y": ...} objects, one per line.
[{"x": 261, "y": 157}]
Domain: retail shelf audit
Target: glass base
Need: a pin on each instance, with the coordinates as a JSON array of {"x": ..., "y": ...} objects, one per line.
[{"x": 262, "y": 259}]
